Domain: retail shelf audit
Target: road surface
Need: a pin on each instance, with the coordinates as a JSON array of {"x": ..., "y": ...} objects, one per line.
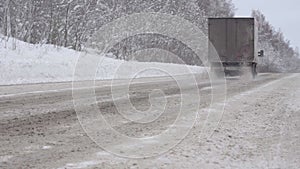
[{"x": 259, "y": 127}]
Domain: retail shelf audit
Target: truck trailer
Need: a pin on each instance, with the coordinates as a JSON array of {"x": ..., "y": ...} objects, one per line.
[{"x": 234, "y": 41}]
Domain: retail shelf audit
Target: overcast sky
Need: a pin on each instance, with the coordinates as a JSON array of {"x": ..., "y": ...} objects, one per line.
[{"x": 283, "y": 14}]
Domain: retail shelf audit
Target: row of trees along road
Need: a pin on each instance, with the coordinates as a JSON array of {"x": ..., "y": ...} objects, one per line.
[
  {"x": 70, "y": 23},
  {"x": 279, "y": 55}
]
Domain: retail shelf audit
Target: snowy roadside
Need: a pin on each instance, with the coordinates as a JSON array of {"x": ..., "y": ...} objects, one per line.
[
  {"x": 259, "y": 130},
  {"x": 29, "y": 63}
]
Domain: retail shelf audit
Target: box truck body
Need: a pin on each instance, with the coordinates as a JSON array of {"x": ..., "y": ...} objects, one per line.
[{"x": 234, "y": 40}]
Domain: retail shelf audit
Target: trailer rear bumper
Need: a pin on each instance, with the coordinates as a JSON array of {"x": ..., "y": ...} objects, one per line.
[
  {"x": 234, "y": 68},
  {"x": 232, "y": 64}
]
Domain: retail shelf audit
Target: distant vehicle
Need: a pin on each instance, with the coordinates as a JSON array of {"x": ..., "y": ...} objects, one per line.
[{"x": 235, "y": 42}]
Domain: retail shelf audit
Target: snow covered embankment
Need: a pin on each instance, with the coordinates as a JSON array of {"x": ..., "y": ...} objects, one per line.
[{"x": 29, "y": 63}]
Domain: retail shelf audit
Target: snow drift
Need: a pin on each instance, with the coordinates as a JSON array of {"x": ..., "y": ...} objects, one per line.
[{"x": 22, "y": 63}]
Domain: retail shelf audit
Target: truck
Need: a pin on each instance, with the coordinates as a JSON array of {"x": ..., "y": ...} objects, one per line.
[{"x": 233, "y": 46}]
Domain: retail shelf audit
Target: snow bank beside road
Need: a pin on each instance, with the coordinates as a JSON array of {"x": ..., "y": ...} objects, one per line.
[{"x": 29, "y": 63}]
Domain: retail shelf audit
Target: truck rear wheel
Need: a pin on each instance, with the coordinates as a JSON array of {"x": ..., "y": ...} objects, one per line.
[
  {"x": 253, "y": 70},
  {"x": 218, "y": 72}
]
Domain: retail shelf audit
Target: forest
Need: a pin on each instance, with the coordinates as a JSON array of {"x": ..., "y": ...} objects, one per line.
[{"x": 71, "y": 23}]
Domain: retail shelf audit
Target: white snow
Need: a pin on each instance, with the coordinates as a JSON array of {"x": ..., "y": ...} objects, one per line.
[
  {"x": 22, "y": 63},
  {"x": 5, "y": 158},
  {"x": 46, "y": 147},
  {"x": 84, "y": 164}
]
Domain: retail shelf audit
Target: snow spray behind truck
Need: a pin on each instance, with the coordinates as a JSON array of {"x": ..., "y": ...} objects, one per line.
[{"x": 235, "y": 42}]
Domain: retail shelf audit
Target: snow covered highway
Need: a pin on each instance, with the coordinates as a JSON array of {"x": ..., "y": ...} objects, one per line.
[
  {"x": 259, "y": 128},
  {"x": 149, "y": 84}
]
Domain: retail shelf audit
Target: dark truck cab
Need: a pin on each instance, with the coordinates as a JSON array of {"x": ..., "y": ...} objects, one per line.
[{"x": 234, "y": 40}]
